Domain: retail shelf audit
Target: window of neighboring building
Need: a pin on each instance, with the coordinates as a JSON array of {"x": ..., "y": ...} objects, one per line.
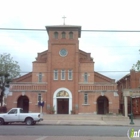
[
  {"x": 39, "y": 97},
  {"x": 63, "y": 35},
  {"x": 85, "y": 98},
  {"x": 70, "y": 75},
  {"x": 56, "y": 35},
  {"x": 85, "y": 77},
  {"x": 70, "y": 35},
  {"x": 55, "y": 74},
  {"x": 62, "y": 74},
  {"x": 40, "y": 77}
]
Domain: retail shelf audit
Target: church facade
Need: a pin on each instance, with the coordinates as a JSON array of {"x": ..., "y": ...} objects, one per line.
[{"x": 63, "y": 79}]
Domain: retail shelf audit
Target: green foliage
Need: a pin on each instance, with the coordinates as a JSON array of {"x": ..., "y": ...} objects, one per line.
[
  {"x": 9, "y": 69},
  {"x": 9, "y": 66},
  {"x": 137, "y": 65}
]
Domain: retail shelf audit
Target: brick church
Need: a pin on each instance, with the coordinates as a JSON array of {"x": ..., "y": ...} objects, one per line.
[{"x": 63, "y": 79}]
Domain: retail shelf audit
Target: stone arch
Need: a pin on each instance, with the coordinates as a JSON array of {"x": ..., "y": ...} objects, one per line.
[
  {"x": 102, "y": 105},
  {"x": 69, "y": 98},
  {"x": 23, "y": 102}
]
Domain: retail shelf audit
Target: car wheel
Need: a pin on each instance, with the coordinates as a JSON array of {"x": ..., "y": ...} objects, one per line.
[
  {"x": 1, "y": 121},
  {"x": 29, "y": 121}
]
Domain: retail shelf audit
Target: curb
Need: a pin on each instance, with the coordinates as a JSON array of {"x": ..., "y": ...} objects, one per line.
[{"x": 67, "y": 124}]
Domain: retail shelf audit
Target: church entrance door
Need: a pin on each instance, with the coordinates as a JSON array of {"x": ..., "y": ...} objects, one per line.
[
  {"x": 62, "y": 101},
  {"x": 23, "y": 102},
  {"x": 62, "y": 106},
  {"x": 102, "y": 105}
]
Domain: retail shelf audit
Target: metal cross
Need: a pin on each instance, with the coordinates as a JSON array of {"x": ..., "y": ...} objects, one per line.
[{"x": 64, "y": 19}]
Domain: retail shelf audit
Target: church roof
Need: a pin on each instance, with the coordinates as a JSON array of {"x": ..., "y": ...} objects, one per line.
[
  {"x": 102, "y": 78},
  {"x": 64, "y": 27}
]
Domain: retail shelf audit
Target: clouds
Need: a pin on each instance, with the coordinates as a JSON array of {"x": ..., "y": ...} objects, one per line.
[
  {"x": 91, "y": 13},
  {"x": 111, "y": 51},
  {"x": 23, "y": 47}
]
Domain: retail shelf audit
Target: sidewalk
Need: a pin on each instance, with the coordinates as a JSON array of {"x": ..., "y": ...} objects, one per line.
[
  {"x": 90, "y": 122},
  {"x": 49, "y": 120}
]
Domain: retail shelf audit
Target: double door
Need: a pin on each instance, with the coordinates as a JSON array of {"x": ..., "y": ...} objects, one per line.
[{"x": 62, "y": 106}]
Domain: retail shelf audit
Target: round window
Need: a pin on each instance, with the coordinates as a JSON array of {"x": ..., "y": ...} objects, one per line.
[{"x": 63, "y": 52}]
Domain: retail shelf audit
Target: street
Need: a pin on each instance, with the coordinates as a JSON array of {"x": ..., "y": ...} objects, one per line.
[{"x": 50, "y": 130}]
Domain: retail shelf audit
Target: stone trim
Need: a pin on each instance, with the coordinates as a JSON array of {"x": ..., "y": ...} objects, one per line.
[
  {"x": 29, "y": 91},
  {"x": 86, "y": 83},
  {"x": 63, "y": 43},
  {"x": 95, "y": 91},
  {"x": 85, "y": 104},
  {"x": 18, "y": 83}
]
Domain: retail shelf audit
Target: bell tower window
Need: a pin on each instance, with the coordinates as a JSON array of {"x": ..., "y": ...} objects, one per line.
[
  {"x": 63, "y": 35},
  {"x": 70, "y": 35},
  {"x": 56, "y": 35}
]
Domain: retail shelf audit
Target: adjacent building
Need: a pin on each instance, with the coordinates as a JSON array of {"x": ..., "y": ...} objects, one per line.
[
  {"x": 129, "y": 87},
  {"x": 63, "y": 79}
]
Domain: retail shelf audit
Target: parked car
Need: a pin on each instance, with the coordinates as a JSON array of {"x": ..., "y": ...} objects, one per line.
[{"x": 17, "y": 115}]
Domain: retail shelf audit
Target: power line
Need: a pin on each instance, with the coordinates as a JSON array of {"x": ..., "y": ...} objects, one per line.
[
  {"x": 111, "y": 30},
  {"x": 21, "y": 29},
  {"x": 74, "y": 72}
]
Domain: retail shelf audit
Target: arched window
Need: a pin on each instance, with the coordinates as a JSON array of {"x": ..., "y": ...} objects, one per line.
[
  {"x": 55, "y": 35},
  {"x": 63, "y": 35},
  {"x": 70, "y": 35},
  {"x": 62, "y": 94}
]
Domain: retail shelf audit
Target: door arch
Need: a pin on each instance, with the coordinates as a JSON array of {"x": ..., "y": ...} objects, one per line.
[
  {"x": 23, "y": 102},
  {"x": 102, "y": 105},
  {"x": 62, "y": 99}
]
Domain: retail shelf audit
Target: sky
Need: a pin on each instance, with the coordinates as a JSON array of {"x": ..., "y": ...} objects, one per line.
[{"x": 114, "y": 53}]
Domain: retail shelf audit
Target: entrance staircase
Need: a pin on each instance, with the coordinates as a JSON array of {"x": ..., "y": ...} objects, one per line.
[{"x": 84, "y": 117}]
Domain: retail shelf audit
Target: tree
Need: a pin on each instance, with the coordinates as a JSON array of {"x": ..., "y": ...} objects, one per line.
[
  {"x": 9, "y": 69},
  {"x": 137, "y": 65}
]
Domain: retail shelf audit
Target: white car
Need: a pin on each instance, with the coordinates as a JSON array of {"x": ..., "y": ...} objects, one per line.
[{"x": 17, "y": 115}]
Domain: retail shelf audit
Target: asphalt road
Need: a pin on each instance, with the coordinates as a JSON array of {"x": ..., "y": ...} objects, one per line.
[{"x": 50, "y": 130}]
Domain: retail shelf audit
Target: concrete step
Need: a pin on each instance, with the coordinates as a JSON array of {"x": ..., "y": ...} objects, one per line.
[
  {"x": 114, "y": 118},
  {"x": 83, "y": 117}
]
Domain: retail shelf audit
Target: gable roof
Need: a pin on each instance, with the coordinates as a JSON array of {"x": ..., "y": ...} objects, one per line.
[
  {"x": 25, "y": 78},
  {"x": 41, "y": 57},
  {"x": 102, "y": 78},
  {"x": 84, "y": 56}
]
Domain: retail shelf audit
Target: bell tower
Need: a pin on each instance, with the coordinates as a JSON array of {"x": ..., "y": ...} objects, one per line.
[{"x": 63, "y": 58}]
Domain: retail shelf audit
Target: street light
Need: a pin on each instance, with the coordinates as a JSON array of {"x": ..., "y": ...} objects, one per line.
[{"x": 131, "y": 115}]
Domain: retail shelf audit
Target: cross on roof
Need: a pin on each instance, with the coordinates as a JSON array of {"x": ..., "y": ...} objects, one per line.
[{"x": 64, "y": 19}]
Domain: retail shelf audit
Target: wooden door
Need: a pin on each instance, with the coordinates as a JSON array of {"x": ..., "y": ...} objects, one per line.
[
  {"x": 136, "y": 106},
  {"x": 62, "y": 106}
]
